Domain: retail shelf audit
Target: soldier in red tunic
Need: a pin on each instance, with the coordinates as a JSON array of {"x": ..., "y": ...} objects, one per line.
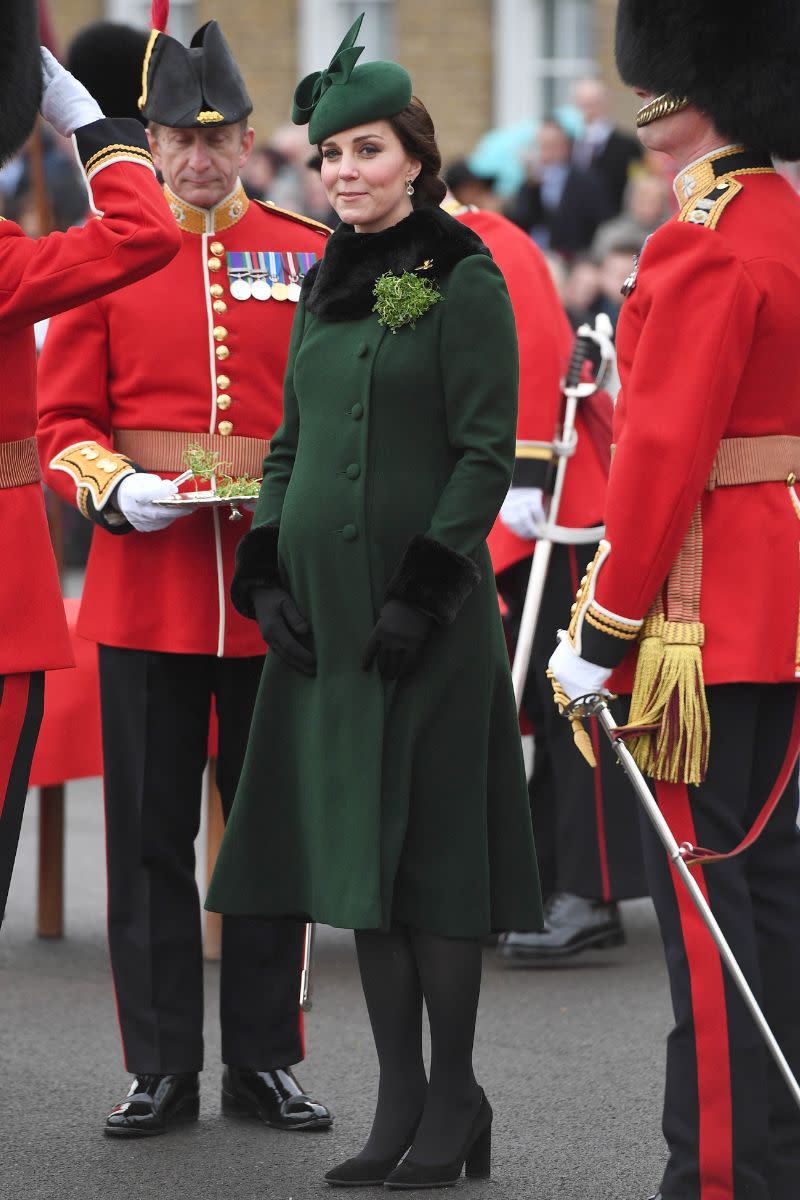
[
  {"x": 194, "y": 355},
  {"x": 694, "y": 595},
  {"x": 38, "y": 279},
  {"x": 584, "y": 820}
]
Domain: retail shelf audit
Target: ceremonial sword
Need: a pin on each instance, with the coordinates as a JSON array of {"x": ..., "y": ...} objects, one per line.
[
  {"x": 305, "y": 975},
  {"x": 563, "y": 447},
  {"x": 595, "y": 705}
]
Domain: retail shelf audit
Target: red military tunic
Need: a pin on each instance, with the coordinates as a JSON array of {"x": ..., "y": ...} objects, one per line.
[
  {"x": 174, "y": 353},
  {"x": 707, "y": 344},
  {"x": 545, "y": 344},
  {"x": 37, "y": 280}
]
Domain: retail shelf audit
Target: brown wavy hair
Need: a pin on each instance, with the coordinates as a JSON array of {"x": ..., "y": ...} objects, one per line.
[{"x": 415, "y": 130}]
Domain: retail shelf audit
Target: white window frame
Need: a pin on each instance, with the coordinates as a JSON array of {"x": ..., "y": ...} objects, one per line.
[
  {"x": 519, "y": 62},
  {"x": 184, "y": 19},
  {"x": 323, "y": 23}
]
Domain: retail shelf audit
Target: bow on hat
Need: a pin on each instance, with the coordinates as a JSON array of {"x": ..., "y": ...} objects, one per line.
[{"x": 310, "y": 90}]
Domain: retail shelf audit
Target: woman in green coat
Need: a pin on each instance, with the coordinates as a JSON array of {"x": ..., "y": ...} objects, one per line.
[{"x": 384, "y": 787}]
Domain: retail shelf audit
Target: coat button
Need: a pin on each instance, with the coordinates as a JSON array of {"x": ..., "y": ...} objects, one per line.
[
  {"x": 214, "y": 264},
  {"x": 222, "y": 352},
  {"x": 353, "y": 471},
  {"x": 357, "y": 411},
  {"x": 217, "y": 248},
  {"x": 216, "y": 290},
  {"x": 223, "y": 402},
  {"x": 349, "y": 533},
  {"x": 363, "y": 350},
  {"x": 220, "y": 307},
  {"x": 225, "y": 428},
  {"x": 220, "y": 333},
  {"x": 223, "y": 382}
]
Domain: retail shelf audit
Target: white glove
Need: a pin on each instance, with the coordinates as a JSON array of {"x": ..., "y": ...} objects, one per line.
[
  {"x": 134, "y": 498},
  {"x": 66, "y": 104},
  {"x": 523, "y": 512},
  {"x": 576, "y": 676}
]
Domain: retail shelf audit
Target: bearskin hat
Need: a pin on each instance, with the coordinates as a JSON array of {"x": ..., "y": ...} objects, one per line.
[
  {"x": 107, "y": 57},
  {"x": 737, "y": 61},
  {"x": 20, "y": 74}
]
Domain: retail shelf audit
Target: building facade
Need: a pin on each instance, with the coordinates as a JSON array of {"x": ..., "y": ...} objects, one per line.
[{"x": 476, "y": 63}]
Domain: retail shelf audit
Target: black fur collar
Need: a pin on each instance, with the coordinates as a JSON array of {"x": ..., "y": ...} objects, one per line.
[{"x": 339, "y": 286}]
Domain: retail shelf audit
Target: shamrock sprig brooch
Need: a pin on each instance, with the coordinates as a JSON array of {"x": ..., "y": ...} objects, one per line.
[{"x": 402, "y": 299}]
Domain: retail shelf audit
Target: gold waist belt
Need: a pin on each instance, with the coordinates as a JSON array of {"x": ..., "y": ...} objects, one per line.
[
  {"x": 162, "y": 450},
  {"x": 669, "y": 722},
  {"x": 770, "y": 459},
  {"x": 19, "y": 463}
]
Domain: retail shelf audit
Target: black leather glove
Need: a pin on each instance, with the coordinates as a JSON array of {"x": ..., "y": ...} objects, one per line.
[
  {"x": 285, "y": 629},
  {"x": 397, "y": 639}
]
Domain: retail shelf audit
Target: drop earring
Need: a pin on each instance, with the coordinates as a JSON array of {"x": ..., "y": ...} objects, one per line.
[{"x": 409, "y": 188}]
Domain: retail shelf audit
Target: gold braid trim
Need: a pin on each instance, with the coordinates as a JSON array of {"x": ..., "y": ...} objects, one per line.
[
  {"x": 94, "y": 469},
  {"x": 146, "y": 65},
  {"x": 113, "y": 151}
]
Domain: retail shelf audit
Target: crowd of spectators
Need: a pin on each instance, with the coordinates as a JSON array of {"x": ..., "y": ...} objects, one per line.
[{"x": 589, "y": 199}]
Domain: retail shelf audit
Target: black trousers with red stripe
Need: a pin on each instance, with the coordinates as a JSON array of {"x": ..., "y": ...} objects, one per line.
[
  {"x": 585, "y": 821},
  {"x": 21, "y": 711},
  {"x": 155, "y": 710},
  {"x": 732, "y": 1129}
]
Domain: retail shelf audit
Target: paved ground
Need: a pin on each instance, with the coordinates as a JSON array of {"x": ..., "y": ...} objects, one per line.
[{"x": 571, "y": 1061}]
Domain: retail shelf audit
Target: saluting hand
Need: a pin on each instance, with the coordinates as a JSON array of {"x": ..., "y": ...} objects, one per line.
[
  {"x": 399, "y": 635},
  {"x": 66, "y": 104},
  {"x": 282, "y": 626}
]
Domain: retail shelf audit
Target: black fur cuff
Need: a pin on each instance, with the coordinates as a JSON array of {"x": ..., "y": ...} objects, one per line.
[
  {"x": 256, "y": 567},
  {"x": 434, "y": 579}
]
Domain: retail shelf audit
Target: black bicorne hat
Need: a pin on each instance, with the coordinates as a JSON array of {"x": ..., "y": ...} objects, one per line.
[
  {"x": 107, "y": 58},
  {"x": 198, "y": 87},
  {"x": 20, "y": 74},
  {"x": 736, "y": 61}
]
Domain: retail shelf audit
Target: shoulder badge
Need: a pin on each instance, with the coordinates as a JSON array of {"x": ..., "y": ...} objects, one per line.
[
  {"x": 293, "y": 216},
  {"x": 707, "y": 208}
]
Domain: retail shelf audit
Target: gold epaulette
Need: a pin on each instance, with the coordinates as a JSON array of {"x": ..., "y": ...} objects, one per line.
[
  {"x": 94, "y": 469},
  {"x": 707, "y": 207},
  {"x": 294, "y": 216}
]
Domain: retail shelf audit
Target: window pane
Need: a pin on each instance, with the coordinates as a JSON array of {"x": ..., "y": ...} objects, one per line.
[
  {"x": 378, "y": 25},
  {"x": 183, "y": 20}
]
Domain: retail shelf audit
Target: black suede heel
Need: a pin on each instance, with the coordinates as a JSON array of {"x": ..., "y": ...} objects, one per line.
[
  {"x": 476, "y": 1156},
  {"x": 367, "y": 1172}
]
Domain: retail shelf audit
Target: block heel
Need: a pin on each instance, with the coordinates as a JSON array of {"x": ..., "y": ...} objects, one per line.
[{"x": 478, "y": 1163}]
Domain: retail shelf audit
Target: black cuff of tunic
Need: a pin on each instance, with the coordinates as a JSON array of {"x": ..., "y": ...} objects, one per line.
[
  {"x": 111, "y": 140},
  {"x": 534, "y": 473},
  {"x": 434, "y": 579},
  {"x": 256, "y": 567}
]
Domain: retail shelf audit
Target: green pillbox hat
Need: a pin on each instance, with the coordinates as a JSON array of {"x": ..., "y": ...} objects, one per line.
[{"x": 344, "y": 95}]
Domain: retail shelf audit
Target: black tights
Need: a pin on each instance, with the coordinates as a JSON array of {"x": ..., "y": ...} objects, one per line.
[{"x": 399, "y": 969}]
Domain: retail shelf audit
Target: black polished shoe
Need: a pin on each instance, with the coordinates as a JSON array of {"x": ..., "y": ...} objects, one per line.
[
  {"x": 571, "y": 925},
  {"x": 475, "y": 1159},
  {"x": 153, "y": 1104},
  {"x": 274, "y": 1097}
]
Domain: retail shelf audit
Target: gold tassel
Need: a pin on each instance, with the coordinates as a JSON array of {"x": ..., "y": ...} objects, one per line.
[
  {"x": 677, "y": 752},
  {"x": 581, "y": 738},
  {"x": 648, "y": 666}
]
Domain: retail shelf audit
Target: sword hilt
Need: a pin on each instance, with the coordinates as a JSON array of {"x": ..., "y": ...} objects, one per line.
[{"x": 580, "y": 352}]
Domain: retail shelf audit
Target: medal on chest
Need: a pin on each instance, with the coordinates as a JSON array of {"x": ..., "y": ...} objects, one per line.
[{"x": 268, "y": 274}]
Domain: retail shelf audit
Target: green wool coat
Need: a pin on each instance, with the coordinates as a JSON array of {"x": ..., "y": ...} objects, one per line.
[{"x": 365, "y": 802}]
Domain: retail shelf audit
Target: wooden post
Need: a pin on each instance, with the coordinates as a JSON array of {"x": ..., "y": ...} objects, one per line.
[
  {"x": 212, "y": 938},
  {"x": 50, "y": 922}
]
